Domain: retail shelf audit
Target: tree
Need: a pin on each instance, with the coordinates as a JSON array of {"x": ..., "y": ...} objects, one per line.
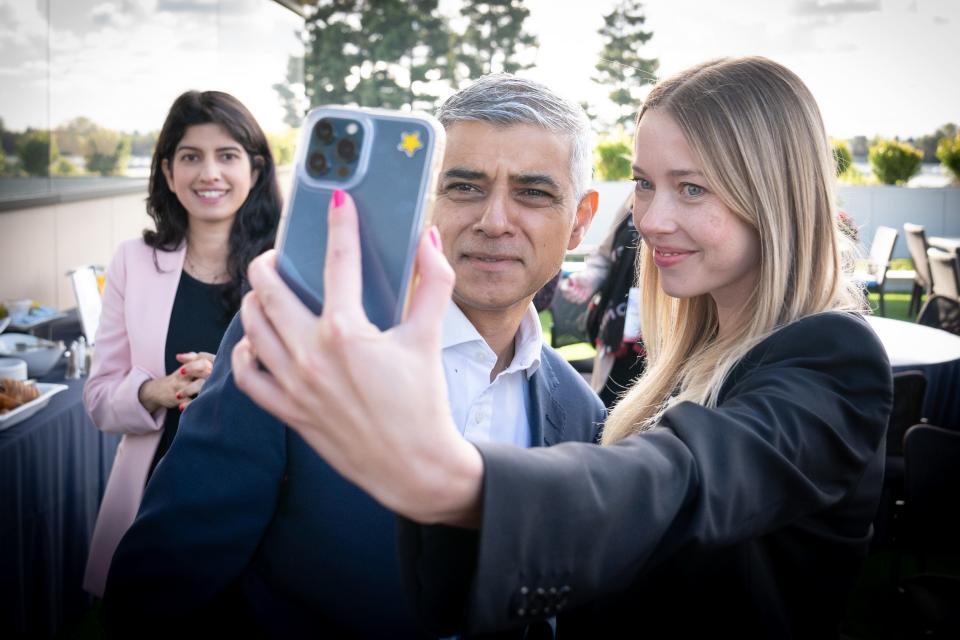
[
  {"x": 369, "y": 53},
  {"x": 107, "y": 152},
  {"x": 621, "y": 68},
  {"x": 71, "y": 137},
  {"x": 389, "y": 53},
  {"x": 37, "y": 150},
  {"x": 928, "y": 143},
  {"x": 493, "y": 40}
]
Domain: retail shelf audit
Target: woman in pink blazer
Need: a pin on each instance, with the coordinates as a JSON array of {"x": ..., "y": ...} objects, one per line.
[{"x": 169, "y": 296}]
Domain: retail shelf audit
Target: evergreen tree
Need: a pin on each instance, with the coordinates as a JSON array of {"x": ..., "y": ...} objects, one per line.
[
  {"x": 621, "y": 67},
  {"x": 385, "y": 53},
  {"x": 368, "y": 53},
  {"x": 493, "y": 39}
]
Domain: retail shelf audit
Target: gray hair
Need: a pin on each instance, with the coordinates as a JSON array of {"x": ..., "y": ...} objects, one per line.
[{"x": 503, "y": 100}]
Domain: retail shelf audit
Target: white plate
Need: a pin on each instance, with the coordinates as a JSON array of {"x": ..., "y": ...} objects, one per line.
[{"x": 27, "y": 409}]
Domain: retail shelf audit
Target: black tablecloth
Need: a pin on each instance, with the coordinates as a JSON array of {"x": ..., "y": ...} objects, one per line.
[
  {"x": 911, "y": 346},
  {"x": 53, "y": 470}
]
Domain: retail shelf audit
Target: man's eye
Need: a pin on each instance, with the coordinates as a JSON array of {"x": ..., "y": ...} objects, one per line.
[
  {"x": 533, "y": 193},
  {"x": 693, "y": 190},
  {"x": 643, "y": 183}
]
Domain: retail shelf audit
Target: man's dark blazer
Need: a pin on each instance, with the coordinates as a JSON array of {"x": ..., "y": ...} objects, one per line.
[{"x": 243, "y": 525}]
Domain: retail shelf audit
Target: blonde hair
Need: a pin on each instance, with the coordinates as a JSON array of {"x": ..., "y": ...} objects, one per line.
[{"x": 757, "y": 134}]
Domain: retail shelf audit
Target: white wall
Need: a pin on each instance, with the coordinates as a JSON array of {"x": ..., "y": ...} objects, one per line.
[
  {"x": 938, "y": 210},
  {"x": 40, "y": 244}
]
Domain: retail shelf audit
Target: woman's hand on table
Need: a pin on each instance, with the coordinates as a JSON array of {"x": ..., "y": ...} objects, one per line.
[
  {"x": 179, "y": 388},
  {"x": 372, "y": 403}
]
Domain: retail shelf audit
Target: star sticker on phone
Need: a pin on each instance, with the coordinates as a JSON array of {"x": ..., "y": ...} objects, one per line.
[{"x": 410, "y": 143}]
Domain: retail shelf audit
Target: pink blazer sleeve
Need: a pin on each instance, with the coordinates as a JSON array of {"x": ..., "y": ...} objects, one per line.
[{"x": 111, "y": 392}]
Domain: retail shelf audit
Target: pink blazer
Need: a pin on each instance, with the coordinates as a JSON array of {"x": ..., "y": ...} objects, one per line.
[{"x": 130, "y": 346}]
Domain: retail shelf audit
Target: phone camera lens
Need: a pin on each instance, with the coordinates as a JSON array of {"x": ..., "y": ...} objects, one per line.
[
  {"x": 324, "y": 131},
  {"x": 347, "y": 150},
  {"x": 318, "y": 163}
]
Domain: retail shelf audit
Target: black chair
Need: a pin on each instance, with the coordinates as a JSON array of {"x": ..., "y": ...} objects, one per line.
[
  {"x": 945, "y": 270},
  {"x": 874, "y": 278},
  {"x": 909, "y": 388},
  {"x": 917, "y": 245},
  {"x": 941, "y": 312},
  {"x": 931, "y": 526}
]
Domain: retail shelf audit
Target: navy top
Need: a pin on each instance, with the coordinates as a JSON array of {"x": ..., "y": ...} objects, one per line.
[{"x": 197, "y": 323}]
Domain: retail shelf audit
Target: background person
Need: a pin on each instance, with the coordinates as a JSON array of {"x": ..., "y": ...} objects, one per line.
[
  {"x": 608, "y": 281},
  {"x": 737, "y": 478},
  {"x": 169, "y": 296}
]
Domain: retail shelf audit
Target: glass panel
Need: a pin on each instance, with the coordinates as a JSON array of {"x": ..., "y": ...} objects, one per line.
[{"x": 102, "y": 74}]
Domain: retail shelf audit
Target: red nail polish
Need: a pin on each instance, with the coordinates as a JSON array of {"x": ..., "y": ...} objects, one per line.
[
  {"x": 179, "y": 396},
  {"x": 338, "y": 198},
  {"x": 434, "y": 237},
  {"x": 182, "y": 408},
  {"x": 183, "y": 371}
]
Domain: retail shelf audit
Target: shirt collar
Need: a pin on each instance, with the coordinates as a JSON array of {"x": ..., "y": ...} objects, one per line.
[{"x": 528, "y": 342}]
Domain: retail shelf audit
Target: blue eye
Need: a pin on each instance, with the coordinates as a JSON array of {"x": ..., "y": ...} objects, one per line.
[
  {"x": 643, "y": 183},
  {"x": 693, "y": 190}
]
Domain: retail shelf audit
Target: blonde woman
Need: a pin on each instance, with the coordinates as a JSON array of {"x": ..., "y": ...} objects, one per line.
[{"x": 737, "y": 479}]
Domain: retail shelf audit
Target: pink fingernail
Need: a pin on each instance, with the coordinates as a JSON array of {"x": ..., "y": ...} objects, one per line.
[
  {"x": 434, "y": 236},
  {"x": 183, "y": 371},
  {"x": 338, "y": 198}
]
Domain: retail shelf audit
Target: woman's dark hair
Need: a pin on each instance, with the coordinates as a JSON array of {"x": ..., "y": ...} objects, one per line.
[{"x": 255, "y": 225}]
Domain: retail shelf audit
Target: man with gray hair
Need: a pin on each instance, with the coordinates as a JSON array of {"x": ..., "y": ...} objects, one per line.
[{"x": 244, "y": 527}]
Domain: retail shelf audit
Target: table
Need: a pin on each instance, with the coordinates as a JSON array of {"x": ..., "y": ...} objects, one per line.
[
  {"x": 53, "y": 470},
  {"x": 913, "y": 346}
]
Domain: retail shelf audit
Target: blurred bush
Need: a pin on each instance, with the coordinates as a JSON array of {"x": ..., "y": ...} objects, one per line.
[
  {"x": 843, "y": 157},
  {"x": 948, "y": 152},
  {"x": 894, "y": 162},
  {"x": 613, "y": 157}
]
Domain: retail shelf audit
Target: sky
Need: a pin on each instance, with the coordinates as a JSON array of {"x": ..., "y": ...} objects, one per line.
[{"x": 884, "y": 67}]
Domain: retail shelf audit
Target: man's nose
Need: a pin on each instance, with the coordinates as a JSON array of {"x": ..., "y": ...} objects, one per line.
[{"x": 497, "y": 218}]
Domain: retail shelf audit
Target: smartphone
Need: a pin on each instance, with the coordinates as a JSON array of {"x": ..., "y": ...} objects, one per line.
[{"x": 388, "y": 161}]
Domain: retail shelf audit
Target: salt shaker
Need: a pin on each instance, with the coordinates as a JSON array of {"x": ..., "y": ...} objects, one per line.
[
  {"x": 80, "y": 355},
  {"x": 72, "y": 372}
]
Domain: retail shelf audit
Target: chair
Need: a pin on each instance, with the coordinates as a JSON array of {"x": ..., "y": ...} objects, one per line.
[
  {"x": 909, "y": 388},
  {"x": 881, "y": 251},
  {"x": 931, "y": 527},
  {"x": 945, "y": 272},
  {"x": 917, "y": 245},
  {"x": 941, "y": 312}
]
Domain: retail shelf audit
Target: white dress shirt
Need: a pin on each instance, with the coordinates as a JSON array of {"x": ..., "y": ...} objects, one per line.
[{"x": 489, "y": 411}]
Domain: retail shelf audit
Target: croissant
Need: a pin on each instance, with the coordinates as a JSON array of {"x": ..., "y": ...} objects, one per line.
[{"x": 14, "y": 393}]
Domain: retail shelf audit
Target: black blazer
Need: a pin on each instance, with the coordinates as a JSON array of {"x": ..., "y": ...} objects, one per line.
[
  {"x": 750, "y": 519},
  {"x": 244, "y": 528}
]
